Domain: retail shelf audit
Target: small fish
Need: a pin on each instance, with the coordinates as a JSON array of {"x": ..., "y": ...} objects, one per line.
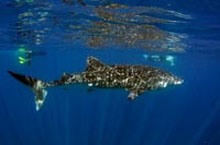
[{"x": 137, "y": 79}]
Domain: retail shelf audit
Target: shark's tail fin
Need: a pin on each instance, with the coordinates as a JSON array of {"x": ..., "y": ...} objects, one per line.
[{"x": 37, "y": 86}]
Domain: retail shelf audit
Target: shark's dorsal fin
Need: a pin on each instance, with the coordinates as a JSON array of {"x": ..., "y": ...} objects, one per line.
[{"x": 94, "y": 64}]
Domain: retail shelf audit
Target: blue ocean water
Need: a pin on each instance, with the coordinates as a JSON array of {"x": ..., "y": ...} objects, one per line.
[{"x": 45, "y": 38}]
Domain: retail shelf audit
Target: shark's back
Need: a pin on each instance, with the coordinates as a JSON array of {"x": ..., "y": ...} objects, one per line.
[{"x": 122, "y": 76}]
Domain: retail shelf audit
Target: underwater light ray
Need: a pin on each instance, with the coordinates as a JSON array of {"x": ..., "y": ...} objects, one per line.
[{"x": 206, "y": 124}]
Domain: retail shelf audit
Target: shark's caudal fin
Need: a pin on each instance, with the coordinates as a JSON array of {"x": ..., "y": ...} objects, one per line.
[{"x": 37, "y": 86}]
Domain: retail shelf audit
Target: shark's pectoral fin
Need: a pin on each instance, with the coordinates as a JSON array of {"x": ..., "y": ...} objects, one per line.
[
  {"x": 132, "y": 96},
  {"x": 134, "y": 93}
]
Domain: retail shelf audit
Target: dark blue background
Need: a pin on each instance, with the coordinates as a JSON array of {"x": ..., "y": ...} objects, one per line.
[{"x": 181, "y": 115}]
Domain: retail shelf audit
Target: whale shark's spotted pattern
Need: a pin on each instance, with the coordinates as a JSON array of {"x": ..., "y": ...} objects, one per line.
[{"x": 134, "y": 78}]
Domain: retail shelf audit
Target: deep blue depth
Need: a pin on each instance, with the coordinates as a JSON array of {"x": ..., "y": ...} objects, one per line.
[{"x": 187, "y": 114}]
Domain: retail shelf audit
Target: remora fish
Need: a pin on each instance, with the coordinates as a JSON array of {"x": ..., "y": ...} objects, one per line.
[{"x": 134, "y": 78}]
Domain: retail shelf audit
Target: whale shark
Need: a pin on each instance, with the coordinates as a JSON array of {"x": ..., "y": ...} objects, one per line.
[{"x": 136, "y": 79}]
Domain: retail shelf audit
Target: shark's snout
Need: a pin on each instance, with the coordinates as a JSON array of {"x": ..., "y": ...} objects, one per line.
[{"x": 178, "y": 81}]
